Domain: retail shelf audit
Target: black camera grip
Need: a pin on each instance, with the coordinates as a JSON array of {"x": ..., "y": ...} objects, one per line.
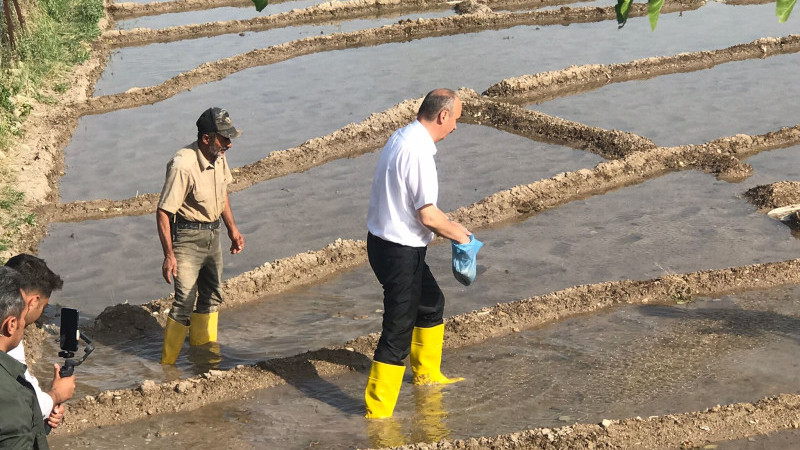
[{"x": 67, "y": 369}]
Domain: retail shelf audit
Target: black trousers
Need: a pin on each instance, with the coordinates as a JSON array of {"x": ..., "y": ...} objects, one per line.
[{"x": 411, "y": 296}]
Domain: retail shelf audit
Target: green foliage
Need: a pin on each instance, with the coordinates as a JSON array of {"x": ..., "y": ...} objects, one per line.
[
  {"x": 260, "y": 4},
  {"x": 55, "y": 37},
  {"x": 783, "y": 8},
  {"x": 653, "y": 10},
  {"x": 623, "y": 7}
]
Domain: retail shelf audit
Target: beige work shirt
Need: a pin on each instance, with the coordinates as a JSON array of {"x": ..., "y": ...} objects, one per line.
[{"x": 194, "y": 188}]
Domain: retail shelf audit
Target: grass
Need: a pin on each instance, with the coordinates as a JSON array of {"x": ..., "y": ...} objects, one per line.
[{"x": 56, "y": 37}]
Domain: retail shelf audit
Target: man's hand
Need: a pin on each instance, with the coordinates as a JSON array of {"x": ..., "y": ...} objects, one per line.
[
  {"x": 237, "y": 241},
  {"x": 56, "y": 416},
  {"x": 62, "y": 388},
  {"x": 169, "y": 269}
]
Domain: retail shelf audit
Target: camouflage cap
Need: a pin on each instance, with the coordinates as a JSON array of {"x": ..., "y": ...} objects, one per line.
[{"x": 216, "y": 120}]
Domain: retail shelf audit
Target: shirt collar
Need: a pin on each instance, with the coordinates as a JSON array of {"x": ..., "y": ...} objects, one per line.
[
  {"x": 11, "y": 365},
  {"x": 424, "y": 136},
  {"x": 201, "y": 159}
]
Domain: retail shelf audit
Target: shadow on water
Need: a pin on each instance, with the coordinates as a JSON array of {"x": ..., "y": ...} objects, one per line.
[
  {"x": 734, "y": 321},
  {"x": 300, "y": 373}
]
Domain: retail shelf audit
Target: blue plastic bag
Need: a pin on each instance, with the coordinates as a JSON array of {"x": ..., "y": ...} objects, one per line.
[{"x": 465, "y": 260}]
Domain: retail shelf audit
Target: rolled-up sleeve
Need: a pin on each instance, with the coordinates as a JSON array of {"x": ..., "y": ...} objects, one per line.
[{"x": 176, "y": 188}]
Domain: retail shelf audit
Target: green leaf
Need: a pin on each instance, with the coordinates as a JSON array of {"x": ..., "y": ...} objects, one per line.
[
  {"x": 260, "y": 4},
  {"x": 622, "y": 9},
  {"x": 653, "y": 10},
  {"x": 783, "y": 9}
]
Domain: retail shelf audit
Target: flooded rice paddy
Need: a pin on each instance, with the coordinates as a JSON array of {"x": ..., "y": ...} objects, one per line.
[{"x": 653, "y": 357}]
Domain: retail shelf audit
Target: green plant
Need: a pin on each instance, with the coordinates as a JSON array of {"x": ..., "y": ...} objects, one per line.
[
  {"x": 783, "y": 8},
  {"x": 55, "y": 37}
]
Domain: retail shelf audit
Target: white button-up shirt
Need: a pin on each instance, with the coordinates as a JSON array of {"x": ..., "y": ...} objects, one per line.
[{"x": 405, "y": 181}]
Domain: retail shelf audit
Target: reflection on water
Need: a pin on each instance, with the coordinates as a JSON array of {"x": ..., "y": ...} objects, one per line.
[{"x": 626, "y": 362}]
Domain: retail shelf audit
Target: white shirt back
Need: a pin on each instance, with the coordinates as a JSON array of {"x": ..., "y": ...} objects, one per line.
[{"x": 405, "y": 180}]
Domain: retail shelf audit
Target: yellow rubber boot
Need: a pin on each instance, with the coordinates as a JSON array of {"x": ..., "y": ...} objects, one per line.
[
  {"x": 426, "y": 356},
  {"x": 382, "y": 390},
  {"x": 203, "y": 328},
  {"x": 174, "y": 335}
]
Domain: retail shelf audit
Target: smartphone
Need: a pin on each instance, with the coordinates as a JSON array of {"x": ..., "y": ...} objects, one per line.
[{"x": 69, "y": 330}]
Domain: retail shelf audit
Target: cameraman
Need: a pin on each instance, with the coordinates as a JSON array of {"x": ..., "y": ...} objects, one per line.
[
  {"x": 21, "y": 424},
  {"x": 37, "y": 284}
]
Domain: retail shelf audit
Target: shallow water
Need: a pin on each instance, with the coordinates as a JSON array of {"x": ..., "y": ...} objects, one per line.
[
  {"x": 778, "y": 440},
  {"x": 678, "y": 223},
  {"x": 624, "y": 362},
  {"x": 702, "y": 106},
  {"x": 292, "y": 214},
  {"x": 284, "y": 104}
]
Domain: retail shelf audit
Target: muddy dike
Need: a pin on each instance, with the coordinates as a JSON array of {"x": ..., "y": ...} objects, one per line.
[
  {"x": 513, "y": 204},
  {"x": 775, "y": 195},
  {"x": 355, "y": 9},
  {"x": 370, "y": 135},
  {"x": 687, "y": 430},
  {"x": 132, "y": 10},
  {"x": 120, "y": 406},
  {"x": 574, "y": 80}
]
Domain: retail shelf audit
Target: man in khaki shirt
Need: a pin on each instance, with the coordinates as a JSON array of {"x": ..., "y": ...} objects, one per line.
[{"x": 194, "y": 197}]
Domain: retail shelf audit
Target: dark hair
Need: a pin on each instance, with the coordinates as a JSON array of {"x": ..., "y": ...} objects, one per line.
[
  {"x": 36, "y": 276},
  {"x": 436, "y": 101},
  {"x": 11, "y": 303}
]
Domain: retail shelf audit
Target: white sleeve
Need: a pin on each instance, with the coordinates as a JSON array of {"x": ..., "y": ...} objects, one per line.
[{"x": 45, "y": 401}]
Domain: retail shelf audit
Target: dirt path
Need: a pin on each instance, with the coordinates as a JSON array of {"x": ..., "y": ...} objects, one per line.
[{"x": 121, "y": 406}]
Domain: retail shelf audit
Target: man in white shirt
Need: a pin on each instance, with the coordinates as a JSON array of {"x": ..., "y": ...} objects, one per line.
[
  {"x": 402, "y": 220},
  {"x": 38, "y": 283}
]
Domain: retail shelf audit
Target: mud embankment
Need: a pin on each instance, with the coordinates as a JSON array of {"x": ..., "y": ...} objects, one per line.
[
  {"x": 573, "y": 80},
  {"x": 775, "y": 195},
  {"x": 329, "y": 12},
  {"x": 126, "y": 405}
]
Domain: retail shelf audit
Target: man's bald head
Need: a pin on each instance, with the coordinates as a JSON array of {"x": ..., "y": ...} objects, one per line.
[{"x": 436, "y": 101}]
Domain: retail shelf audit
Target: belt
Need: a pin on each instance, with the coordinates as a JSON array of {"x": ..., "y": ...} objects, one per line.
[{"x": 182, "y": 224}]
